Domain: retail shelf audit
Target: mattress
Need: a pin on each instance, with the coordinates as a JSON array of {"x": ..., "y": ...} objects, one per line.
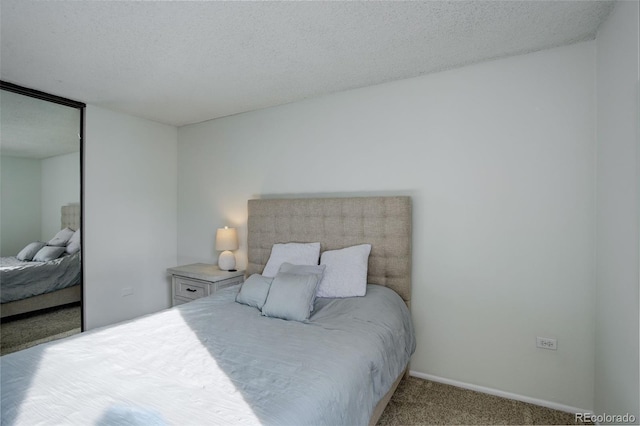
[
  {"x": 214, "y": 361},
  {"x": 20, "y": 280}
]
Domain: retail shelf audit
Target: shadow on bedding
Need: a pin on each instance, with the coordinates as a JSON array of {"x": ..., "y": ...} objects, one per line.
[
  {"x": 131, "y": 416},
  {"x": 268, "y": 370},
  {"x": 331, "y": 369}
]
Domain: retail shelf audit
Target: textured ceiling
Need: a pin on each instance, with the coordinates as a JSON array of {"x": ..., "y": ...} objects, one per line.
[
  {"x": 186, "y": 62},
  {"x": 33, "y": 128}
]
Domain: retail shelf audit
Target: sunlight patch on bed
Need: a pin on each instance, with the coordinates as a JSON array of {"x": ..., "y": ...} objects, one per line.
[{"x": 128, "y": 352}]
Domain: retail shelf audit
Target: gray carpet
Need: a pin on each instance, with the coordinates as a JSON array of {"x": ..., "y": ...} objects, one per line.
[
  {"x": 422, "y": 402},
  {"x": 27, "y": 331}
]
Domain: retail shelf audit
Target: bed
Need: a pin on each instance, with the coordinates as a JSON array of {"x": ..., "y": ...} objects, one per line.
[
  {"x": 32, "y": 286},
  {"x": 217, "y": 361}
]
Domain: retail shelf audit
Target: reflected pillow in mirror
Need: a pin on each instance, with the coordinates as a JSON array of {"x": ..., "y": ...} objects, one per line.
[
  {"x": 27, "y": 253},
  {"x": 61, "y": 238},
  {"x": 48, "y": 253},
  {"x": 73, "y": 246}
]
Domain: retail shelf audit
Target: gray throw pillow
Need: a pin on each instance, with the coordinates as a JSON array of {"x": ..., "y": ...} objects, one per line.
[
  {"x": 304, "y": 270},
  {"x": 290, "y": 296},
  {"x": 48, "y": 253},
  {"x": 254, "y": 291},
  {"x": 27, "y": 253}
]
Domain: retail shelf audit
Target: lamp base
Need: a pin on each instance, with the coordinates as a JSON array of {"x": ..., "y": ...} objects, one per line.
[{"x": 226, "y": 261}]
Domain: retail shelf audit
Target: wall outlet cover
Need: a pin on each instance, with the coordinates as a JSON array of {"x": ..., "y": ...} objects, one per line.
[{"x": 546, "y": 343}]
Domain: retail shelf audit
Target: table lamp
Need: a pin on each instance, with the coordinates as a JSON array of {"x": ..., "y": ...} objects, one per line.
[{"x": 226, "y": 240}]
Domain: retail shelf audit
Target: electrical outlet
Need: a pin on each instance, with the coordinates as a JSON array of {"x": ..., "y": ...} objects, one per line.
[{"x": 546, "y": 343}]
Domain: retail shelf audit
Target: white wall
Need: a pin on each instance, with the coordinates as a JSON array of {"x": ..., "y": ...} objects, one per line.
[
  {"x": 20, "y": 203},
  {"x": 33, "y": 191},
  {"x": 60, "y": 186},
  {"x": 618, "y": 215},
  {"x": 499, "y": 160},
  {"x": 130, "y": 215}
]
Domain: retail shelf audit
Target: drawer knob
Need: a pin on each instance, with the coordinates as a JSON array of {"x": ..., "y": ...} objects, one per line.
[{"x": 192, "y": 290}]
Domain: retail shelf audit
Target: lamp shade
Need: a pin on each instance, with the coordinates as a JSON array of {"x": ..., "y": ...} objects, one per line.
[{"x": 226, "y": 239}]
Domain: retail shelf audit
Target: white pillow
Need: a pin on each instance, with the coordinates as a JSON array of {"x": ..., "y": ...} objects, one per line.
[
  {"x": 345, "y": 274},
  {"x": 295, "y": 253},
  {"x": 61, "y": 238}
]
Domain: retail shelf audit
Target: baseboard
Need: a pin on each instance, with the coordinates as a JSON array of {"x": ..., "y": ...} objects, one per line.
[{"x": 503, "y": 394}]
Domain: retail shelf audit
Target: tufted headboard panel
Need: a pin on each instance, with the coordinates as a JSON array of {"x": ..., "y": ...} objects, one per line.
[
  {"x": 383, "y": 222},
  {"x": 70, "y": 216}
]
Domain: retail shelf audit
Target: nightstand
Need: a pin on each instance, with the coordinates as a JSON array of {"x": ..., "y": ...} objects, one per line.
[{"x": 190, "y": 282}]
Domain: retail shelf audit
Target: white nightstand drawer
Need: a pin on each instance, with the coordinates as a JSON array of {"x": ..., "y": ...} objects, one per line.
[
  {"x": 191, "y": 282},
  {"x": 190, "y": 289}
]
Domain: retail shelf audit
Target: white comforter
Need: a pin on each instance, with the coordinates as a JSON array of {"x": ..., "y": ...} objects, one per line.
[{"x": 216, "y": 362}]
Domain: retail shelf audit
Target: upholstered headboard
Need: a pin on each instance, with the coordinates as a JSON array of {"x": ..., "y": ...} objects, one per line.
[
  {"x": 383, "y": 222},
  {"x": 70, "y": 216}
]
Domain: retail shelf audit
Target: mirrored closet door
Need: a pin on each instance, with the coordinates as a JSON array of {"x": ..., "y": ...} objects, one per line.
[{"x": 40, "y": 217}]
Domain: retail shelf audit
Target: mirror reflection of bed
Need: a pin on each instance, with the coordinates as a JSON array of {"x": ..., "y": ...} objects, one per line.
[
  {"x": 40, "y": 287},
  {"x": 40, "y": 208}
]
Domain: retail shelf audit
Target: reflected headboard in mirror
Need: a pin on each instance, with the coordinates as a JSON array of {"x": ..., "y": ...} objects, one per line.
[{"x": 70, "y": 216}]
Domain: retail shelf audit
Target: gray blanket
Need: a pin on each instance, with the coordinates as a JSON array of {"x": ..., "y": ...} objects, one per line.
[
  {"x": 20, "y": 280},
  {"x": 214, "y": 361}
]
